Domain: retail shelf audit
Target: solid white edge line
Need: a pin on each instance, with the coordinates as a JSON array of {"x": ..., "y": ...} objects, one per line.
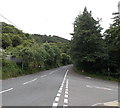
[
  {"x": 30, "y": 81},
  {"x": 6, "y": 90}
]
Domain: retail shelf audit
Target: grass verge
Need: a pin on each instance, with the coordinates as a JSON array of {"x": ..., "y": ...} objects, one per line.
[{"x": 99, "y": 76}]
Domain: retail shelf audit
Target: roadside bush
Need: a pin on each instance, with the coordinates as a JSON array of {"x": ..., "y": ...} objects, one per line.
[
  {"x": 10, "y": 69},
  {"x": 65, "y": 59}
]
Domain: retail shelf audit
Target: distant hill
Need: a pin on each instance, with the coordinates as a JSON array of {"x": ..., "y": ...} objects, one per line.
[
  {"x": 11, "y": 36},
  {"x": 49, "y": 39}
]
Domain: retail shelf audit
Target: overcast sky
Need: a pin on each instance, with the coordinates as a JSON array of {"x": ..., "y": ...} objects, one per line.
[{"x": 54, "y": 17}]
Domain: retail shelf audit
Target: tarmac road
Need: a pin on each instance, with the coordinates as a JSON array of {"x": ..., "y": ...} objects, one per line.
[{"x": 57, "y": 87}]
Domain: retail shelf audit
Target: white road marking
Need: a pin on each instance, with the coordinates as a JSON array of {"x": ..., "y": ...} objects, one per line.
[
  {"x": 89, "y": 86},
  {"x": 112, "y": 103},
  {"x": 65, "y": 105},
  {"x": 60, "y": 88},
  {"x": 104, "y": 88},
  {"x": 51, "y": 73},
  {"x": 66, "y": 96},
  {"x": 43, "y": 76},
  {"x": 67, "y": 81},
  {"x": 30, "y": 81},
  {"x": 67, "y": 87},
  {"x": 66, "y": 92},
  {"x": 65, "y": 100},
  {"x": 88, "y": 77},
  {"x": 55, "y": 103},
  {"x": 96, "y": 104},
  {"x": 6, "y": 90},
  {"x": 58, "y": 94},
  {"x": 59, "y": 91},
  {"x": 57, "y": 99}
]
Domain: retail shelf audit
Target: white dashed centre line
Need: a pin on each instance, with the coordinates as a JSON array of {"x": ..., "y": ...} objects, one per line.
[
  {"x": 52, "y": 72},
  {"x": 43, "y": 76},
  {"x": 58, "y": 94},
  {"x": 55, "y": 103},
  {"x": 66, "y": 94},
  {"x": 59, "y": 91},
  {"x": 30, "y": 81},
  {"x": 66, "y": 90},
  {"x": 57, "y": 99},
  {"x": 65, "y": 101},
  {"x": 6, "y": 90}
]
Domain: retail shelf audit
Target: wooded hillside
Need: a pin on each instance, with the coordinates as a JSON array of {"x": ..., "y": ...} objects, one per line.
[{"x": 32, "y": 52}]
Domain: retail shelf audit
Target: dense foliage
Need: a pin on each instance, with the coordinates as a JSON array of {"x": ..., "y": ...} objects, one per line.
[
  {"x": 112, "y": 38},
  {"x": 90, "y": 52},
  {"x": 49, "y": 39},
  {"x": 31, "y": 53},
  {"x": 87, "y": 44},
  {"x": 10, "y": 69}
]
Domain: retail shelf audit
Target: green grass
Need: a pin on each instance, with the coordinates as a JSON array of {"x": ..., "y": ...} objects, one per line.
[{"x": 99, "y": 76}]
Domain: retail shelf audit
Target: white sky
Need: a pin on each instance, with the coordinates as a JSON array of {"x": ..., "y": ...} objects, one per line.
[{"x": 54, "y": 17}]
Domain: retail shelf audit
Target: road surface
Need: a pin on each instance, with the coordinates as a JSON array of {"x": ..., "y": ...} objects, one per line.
[{"x": 57, "y": 87}]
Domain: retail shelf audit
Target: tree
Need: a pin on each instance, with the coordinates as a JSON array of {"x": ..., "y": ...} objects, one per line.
[
  {"x": 57, "y": 56},
  {"x": 112, "y": 38},
  {"x": 49, "y": 62},
  {"x": 16, "y": 40},
  {"x": 87, "y": 46},
  {"x": 65, "y": 59},
  {"x": 6, "y": 40}
]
